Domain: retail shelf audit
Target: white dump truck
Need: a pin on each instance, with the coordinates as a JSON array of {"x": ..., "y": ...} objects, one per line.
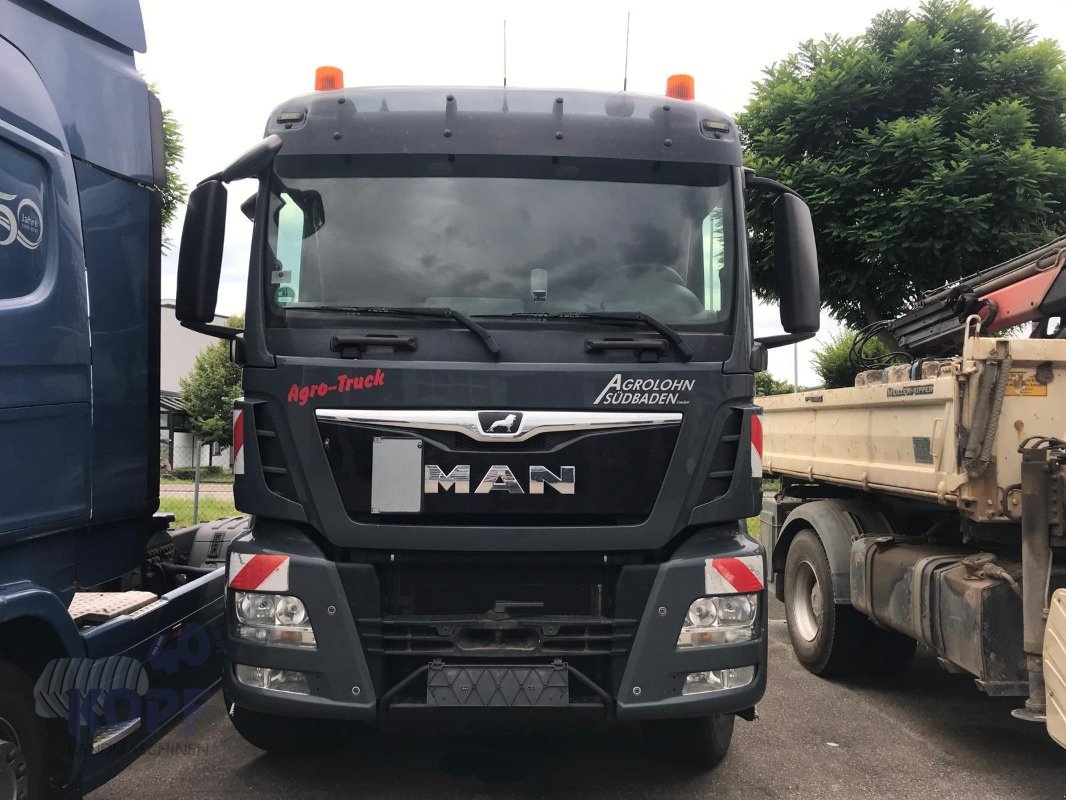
[{"x": 925, "y": 504}]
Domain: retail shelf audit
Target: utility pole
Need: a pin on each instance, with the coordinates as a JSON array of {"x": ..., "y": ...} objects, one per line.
[{"x": 796, "y": 366}]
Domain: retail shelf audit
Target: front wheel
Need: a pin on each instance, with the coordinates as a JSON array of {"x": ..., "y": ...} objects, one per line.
[
  {"x": 23, "y": 740},
  {"x": 699, "y": 741},
  {"x": 828, "y": 639}
]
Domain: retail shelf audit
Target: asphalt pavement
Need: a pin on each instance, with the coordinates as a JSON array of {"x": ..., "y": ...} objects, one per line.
[{"x": 926, "y": 734}]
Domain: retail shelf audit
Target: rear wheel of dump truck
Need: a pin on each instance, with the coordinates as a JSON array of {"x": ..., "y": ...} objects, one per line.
[
  {"x": 23, "y": 762},
  {"x": 696, "y": 741},
  {"x": 828, "y": 639},
  {"x": 287, "y": 736}
]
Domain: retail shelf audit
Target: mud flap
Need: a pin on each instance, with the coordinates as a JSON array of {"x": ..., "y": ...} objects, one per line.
[{"x": 1055, "y": 667}]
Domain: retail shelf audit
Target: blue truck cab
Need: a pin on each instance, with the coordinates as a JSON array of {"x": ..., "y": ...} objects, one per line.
[{"x": 105, "y": 635}]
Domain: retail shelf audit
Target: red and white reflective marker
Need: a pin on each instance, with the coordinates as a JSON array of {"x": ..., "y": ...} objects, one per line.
[
  {"x": 258, "y": 573},
  {"x": 237, "y": 451},
  {"x": 756, "y": 446},
  {"x": 739, "y": 575}
]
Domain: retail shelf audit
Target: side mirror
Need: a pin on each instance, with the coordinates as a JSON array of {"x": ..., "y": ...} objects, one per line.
[
  {"x": 796, "y": 259},
  {"x": 200, "y": 257}
]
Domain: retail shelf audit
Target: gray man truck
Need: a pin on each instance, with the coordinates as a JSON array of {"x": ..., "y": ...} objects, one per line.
[{"x": 497, "y": 431}]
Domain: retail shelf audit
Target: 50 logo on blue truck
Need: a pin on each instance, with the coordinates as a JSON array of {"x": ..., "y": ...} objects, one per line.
[{"x": 20, "y": 221}]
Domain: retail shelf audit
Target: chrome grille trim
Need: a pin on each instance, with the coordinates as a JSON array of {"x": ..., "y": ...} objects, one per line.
[{"x": 533, "y": 423}]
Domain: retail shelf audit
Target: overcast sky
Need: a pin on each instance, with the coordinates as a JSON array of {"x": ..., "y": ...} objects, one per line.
[{"x": 222, "y": 66}]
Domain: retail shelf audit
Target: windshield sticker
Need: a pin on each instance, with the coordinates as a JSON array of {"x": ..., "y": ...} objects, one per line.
[
  {"x": 284, "y": 295},
  {"x": 345, "y": 383},
  {"x": 644, "y": 391}
]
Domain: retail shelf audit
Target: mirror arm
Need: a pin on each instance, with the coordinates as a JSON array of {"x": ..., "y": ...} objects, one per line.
[
  {"x": 785, "y": 338},
  {"x": 209, "y": 329},
  {"x": 251, "y": 163},
  {"x": 753, "y": 181}
]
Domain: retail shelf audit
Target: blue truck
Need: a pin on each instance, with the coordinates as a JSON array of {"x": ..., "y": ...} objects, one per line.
[{"x": 107, "y": 632}]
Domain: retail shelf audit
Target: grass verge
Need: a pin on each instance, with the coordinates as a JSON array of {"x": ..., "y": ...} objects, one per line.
[
  {"x": 210, "y": 508},
  {"x": 753, "y": 527}
]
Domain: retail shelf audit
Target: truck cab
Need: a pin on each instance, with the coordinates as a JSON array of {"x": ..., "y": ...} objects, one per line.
[
  {"x": 105, "y": 635},
  {"x": 497, "y": 431}
]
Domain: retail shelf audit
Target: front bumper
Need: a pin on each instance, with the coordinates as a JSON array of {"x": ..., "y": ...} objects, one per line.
[{"x": 625, "y": 666}]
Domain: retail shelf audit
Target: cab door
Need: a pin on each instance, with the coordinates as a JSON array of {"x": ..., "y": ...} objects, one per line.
[{"x": 44, "y": 337}]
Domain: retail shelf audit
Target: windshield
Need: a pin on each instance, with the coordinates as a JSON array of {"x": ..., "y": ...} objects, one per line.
[{"x": 500, "y": 236}]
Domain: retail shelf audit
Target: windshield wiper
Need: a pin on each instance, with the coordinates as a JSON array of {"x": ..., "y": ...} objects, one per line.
[
  {"x": 664, "y": 330},
  {"x": 429, "y": 312}
]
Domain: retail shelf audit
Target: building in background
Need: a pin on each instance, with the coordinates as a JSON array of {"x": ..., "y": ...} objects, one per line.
[{"x": 178, "y": 349}]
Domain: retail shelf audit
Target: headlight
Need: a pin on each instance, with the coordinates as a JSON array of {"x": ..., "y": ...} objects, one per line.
[
  {"x": 256, "y": 609},
  {"x": 290, "y": 611},
  {"x": 721, "y": 619},
  {"x": 273, "y": 619}
]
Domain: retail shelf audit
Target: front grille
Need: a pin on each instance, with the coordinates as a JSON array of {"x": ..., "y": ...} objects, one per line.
[
  {"x": 609, "y": 489},
  {"x": 545, "y": 637}
]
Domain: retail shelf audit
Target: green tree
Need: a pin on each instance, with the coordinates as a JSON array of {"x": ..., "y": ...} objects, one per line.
[
  {"x": 174, "y": 190},
  {"x": 209, "y": 390},
  {"x": 930, "y": 147},
  {"x": 831, "y": 360},
  {"x": 767, "y": 384}
]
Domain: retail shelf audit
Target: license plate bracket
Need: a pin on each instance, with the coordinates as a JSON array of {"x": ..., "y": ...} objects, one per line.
[
  {"x": 396, "y": 476},
  {"x": 502, "y": 685}
]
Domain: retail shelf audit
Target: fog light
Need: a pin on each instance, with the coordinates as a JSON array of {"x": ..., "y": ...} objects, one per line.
[
  {"x": 718, "y": 680},
  {"x": 273, "y": 619},
  {"x": 721, "y": 619},
  {"x": 276, "y": 680}
]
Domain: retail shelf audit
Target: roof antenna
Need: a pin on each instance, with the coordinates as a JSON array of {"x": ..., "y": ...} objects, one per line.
[
  {"x": 505, "y": 53},
  {"x": 625, "y": 73}
]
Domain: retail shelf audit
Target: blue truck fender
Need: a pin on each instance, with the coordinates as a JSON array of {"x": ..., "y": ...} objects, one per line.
[{"x": 26, "y": 601}]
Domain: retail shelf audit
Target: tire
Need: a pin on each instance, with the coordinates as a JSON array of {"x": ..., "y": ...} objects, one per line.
[
  {"x": 890, "y": 652},
  {"x": 23, "y": 739},
  {"x": 287, "y": 736},
  {"x": 828, "y": 639},
  {"x": 695, "y": 741}
]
